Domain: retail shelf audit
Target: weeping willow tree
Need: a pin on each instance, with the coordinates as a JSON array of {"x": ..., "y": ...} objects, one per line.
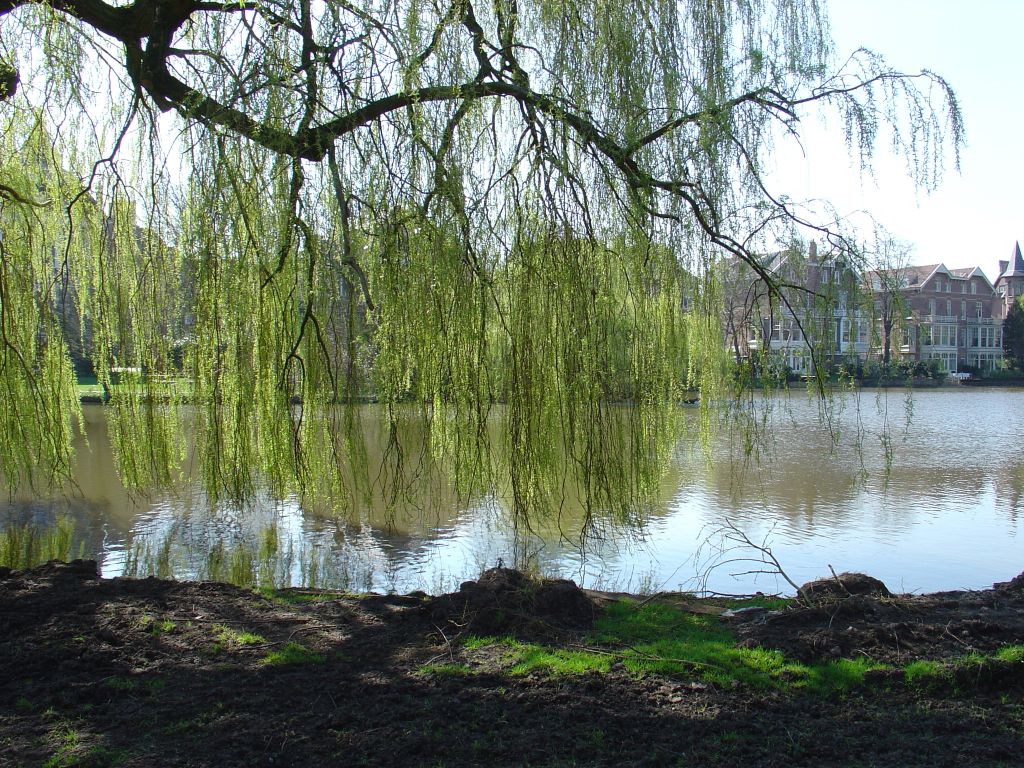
[{"x": 475, "y": 212}]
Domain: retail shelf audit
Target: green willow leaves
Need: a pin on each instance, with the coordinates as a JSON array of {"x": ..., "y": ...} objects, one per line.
[{"x": 254, "y": 217}]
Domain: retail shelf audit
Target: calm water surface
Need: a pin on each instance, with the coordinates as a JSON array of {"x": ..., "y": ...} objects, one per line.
[{"x": 945, "y": 515}]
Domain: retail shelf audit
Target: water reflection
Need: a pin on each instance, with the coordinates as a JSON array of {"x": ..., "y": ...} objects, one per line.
[{"x": 816, "y": 491}]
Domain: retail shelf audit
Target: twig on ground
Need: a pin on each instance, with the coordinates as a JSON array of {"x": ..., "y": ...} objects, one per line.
[{"x": 839, "y": 581}]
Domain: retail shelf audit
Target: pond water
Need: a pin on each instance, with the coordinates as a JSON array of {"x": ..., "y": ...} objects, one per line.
[{"x": 925, "y": 493}]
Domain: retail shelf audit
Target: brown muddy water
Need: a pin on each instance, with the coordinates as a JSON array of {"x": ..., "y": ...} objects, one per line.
[{"x": 925, "y": 493}]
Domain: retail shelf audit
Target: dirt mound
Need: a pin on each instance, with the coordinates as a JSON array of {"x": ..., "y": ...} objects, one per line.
[
  {"x": 506, "y": 600},
  {"x": 1016, "y": 584},
  {"x": 76, "y": 569},
  {"x": 893, "y": 629},
  {"x": 843, "y": 585}
]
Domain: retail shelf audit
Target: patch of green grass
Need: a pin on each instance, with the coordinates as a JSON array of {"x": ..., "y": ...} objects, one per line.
[
  {"x": 660, "y": 639},
  {"x": 118, "y": 683},
  {"x": 527, "y": 658},
  {"x": 155, "y": 626},
  {"x": 67, "y": 743},
  {"x": 1011, "y": 653},
  {"x": 445, "y": 670},
  {"x": 23, "y": 704},
  {"x": 523, "y": 658},
  {"x": 474, "y": 642},
  {"x": 664, "y": 640},
  {"x": 925, "y": 674},
  {"x": 963, "y": 672},
  {"x": 292, "y": 653},
  {"x": 102, "y": 755},
  {"x": 228, "y": 636},
  {"x": 840, "y": 675}
]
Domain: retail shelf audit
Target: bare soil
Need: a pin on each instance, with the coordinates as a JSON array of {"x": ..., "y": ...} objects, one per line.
[{"x": 147, "y": 672}]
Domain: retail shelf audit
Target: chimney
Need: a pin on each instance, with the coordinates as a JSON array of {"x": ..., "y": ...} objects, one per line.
[
  {"x": 1002, "y": 266},
  {"x": 812, "y": 250}
]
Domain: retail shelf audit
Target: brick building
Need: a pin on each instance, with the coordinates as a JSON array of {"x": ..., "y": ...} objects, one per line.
[
  {"x": 921, "y": 313},
  {"x": 815, "y": 318},
  {"x": 953, "y": 316}
]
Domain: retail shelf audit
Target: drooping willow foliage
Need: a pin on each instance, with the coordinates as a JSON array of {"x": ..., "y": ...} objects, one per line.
[{"x": 253, "y": 216}]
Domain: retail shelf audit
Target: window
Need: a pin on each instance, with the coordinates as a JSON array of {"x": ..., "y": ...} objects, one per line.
[
  {"x": 845, "y": 326},
  {"x": 963, "y": 310},
  {"x": 978, "y": 309},
  {"x": 949, "y": 308},
  {"x": 931, "y": 307},
  {"x": 796, "y": 360},
  {"x": 947, "y": 360},
  {"x": 939, "y": 335},
  {"x": 963, "y": 287},
  {"x": 986, "y": 337},
  {"x": 974, "y": 288},
  {"x": 938, "y": 286}
]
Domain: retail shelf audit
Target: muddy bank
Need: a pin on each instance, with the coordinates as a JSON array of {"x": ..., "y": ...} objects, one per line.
[{"x": 149, "y": 672}]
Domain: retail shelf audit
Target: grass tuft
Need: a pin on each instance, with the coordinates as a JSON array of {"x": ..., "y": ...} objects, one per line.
[
  {"x": 155, "y": 626},
  {"x": 660, "y": 639},
  {"x": 228, "y": 636},
  {"x": 445, "y": 670},
  {"x": 1011, "y": 653},
  {"x": 292, "y": 653}
]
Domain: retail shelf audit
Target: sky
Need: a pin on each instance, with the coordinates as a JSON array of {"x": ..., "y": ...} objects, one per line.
[{"x": 975, "y": 216}]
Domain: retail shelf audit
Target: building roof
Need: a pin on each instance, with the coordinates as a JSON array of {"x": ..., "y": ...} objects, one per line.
[
  {"x": 910, "y": 277},
  {"x": 917, "y": 276},
  {"x": 1015, "y": 267}
]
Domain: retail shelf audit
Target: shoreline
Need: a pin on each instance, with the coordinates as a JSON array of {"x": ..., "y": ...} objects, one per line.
[{"x": 926, "y": 384}]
